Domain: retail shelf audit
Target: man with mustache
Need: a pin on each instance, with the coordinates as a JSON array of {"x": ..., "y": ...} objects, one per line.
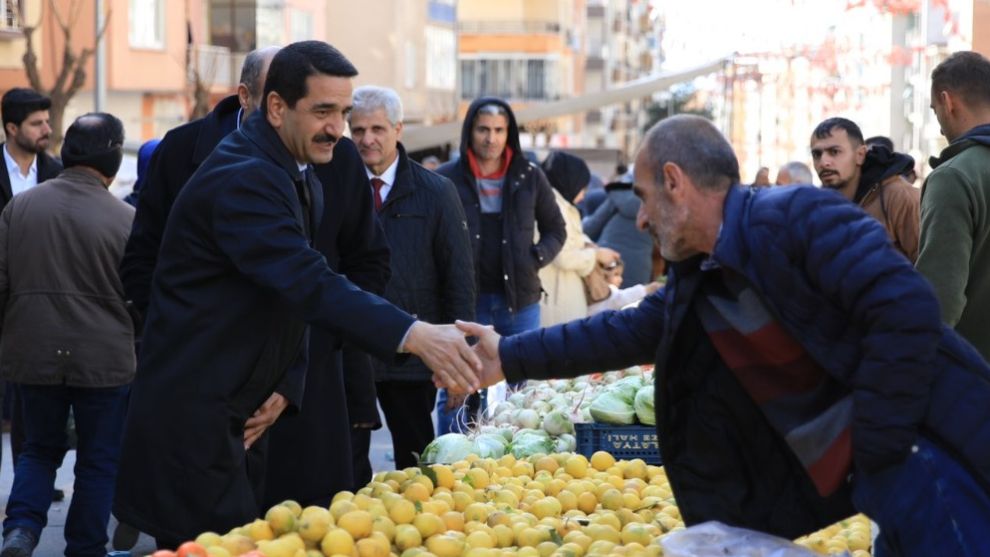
[
  {"x": 28, "y": 130},
  {"x": 803, "y": 372},
  {"x": 236, "y": 285},
  {"x": 339, "y": 390},
  {"x": 871, "y": 177}
]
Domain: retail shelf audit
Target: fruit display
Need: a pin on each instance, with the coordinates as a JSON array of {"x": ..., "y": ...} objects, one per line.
[{"x": 546, "y": 505}]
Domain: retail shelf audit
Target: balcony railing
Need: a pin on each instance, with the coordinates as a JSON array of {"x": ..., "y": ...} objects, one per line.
[
  {"x": 216, "y": 65},
  {"x": 9, "y": 24},
  {"x": 510, "y": 27}
]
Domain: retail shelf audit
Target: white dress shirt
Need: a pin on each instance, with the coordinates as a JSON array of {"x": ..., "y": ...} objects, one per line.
[
  {"x": 388, "y": 177},
  {"x": 18, "y": 181}
]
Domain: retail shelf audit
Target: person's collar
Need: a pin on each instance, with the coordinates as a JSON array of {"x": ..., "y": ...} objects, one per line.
[
  {"x": 389, "y": 175},
  {"x": 12, "y": 163},
  {"x": 240, "y": 114},
  {"x": 498, "y": 174},
  {"x": 257, "y": 130}
]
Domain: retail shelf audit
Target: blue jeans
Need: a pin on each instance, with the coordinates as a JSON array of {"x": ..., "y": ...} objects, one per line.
[
  {"x": 927, "y": 505},
  {"x": 99, "y": 415},
  {"x": 491, "y": 309}
]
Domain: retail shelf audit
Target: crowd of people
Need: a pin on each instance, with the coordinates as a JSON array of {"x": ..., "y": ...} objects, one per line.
[{"x": 226, "y": 344}]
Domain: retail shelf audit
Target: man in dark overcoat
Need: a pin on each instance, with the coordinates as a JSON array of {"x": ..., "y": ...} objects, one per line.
[{"x": 236, "y": 284}]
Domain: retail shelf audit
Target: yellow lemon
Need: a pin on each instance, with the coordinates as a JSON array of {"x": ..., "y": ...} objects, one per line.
[
  {"x": 444, "y": 545},
  {"x": 602, "y": 461},
  {"x": 259, "y": 529},
  {"x": 314, "y": 523},
  {"x": 237, "y": 544},
  {"x": 453, "y": 520},
  {"x": 480, "y": 538},
  {"x": 342, "y": 496},
  {"x": 384, "y": 526},
  {"x": 444, "y": 475},
  {"x": 208, "y": 539},
  {"x": 407, "y": 536},
  {"x": 296, "y": 508},
  {"x": 337, "y": 542},
  {"x": 357, "y": 523},
  {"x": 342, "y": 507},
  {"x": 402, "y": 512},
  {"x": 587, "y": 502},
  {"x": 373, "y": 547},
  {"x": 429, "y": 524},
  {"x": 476, "y": 512},
  {"x": 282, "y": 519}
]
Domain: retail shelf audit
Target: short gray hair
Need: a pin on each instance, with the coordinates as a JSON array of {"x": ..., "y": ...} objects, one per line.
[
  {"x": 694, "y": 144},
  {"x": 798, "y": 171},
  {"x": 254, "y": 62},
  {"x": 370, "y": 98}
]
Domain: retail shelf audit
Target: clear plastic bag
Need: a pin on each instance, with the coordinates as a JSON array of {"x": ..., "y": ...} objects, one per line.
[{"x": 714, "y": 539}]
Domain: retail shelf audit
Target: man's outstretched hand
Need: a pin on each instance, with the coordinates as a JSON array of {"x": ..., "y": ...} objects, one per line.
[
  {"x": 445, "y": 351},
  {"x": 486, "y": 350}
]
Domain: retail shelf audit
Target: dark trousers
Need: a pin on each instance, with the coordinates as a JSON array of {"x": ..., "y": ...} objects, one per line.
[
  {"x": 360, "y": 445},
  {"x": 99, "y": 415},
  {"x": 408, "y": 406}
]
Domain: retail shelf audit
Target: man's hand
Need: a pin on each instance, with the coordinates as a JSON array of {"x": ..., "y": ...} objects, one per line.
[
  {"x": 263, "y": 418},
  {"x": 444, "y": 350},
  {"x": 486, "y": 349}
]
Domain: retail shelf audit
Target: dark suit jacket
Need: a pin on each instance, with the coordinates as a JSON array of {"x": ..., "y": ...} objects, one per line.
[
  {"x": 236, "y": 272},
  {"x": 48, "y": 167},
  {"x": 310, "y": 456}
]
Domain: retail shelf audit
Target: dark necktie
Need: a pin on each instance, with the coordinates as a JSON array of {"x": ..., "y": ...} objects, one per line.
[{"x": 376, "y": 185}]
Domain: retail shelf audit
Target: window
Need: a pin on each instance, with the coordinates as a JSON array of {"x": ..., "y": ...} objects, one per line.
[
  {"x": 530, "y": 79},
  {"x": 441, "y": 52},
  {"x": 232, "y": 24},
  {"x": 146, "y": 21},
  {"x": 302, "y": 25},
  {"x": 9, "y": 9},
  {"x": 410, "y": 81}
]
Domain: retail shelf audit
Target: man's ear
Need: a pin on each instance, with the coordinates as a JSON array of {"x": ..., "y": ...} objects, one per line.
[
  {"x": 398, "y": 131},
  {"x": 861, "y": 154},
  {"x": 948, "y": 101},
  {"x": 10, "y": 130},
  {"x": 243, "y": 97},
  {"x": 673, "y": 177},
  {"x": 276, "y": 109}
]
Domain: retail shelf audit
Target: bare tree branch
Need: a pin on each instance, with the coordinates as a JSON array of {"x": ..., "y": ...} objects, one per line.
[{"x": 58, "y": 16}]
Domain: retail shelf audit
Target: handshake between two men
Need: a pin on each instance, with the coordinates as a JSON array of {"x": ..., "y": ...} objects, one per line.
[{"x": 457, "y": 366}]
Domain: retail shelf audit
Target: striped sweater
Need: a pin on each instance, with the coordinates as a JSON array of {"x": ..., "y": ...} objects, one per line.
[{"x": 809, "y": 408}]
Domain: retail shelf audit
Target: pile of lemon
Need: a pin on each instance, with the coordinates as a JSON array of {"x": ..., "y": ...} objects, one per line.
[{"x": 559, "y": 505}]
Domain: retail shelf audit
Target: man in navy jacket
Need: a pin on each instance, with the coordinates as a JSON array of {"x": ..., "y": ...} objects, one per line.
[
  {"x": 802, "y": 368},
  {"x": 235, "y": 287}
]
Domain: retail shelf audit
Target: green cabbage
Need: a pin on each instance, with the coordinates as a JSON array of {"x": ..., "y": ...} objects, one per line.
[
  {"x": 447, "y": 449},
  {"x": 489, "y": 445},
  {"x": 529, "y": 445},
  {"x": 611, "y": 407},
  {"x": 557, "y": 422},
  {"x": 644, "y": 406}
]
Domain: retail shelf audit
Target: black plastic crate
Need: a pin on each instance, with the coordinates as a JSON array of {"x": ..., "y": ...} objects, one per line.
[{"x": 624, "y": 442}]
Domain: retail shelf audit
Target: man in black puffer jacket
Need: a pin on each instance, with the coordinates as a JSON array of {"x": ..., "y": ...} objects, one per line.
[
  {"x": 505, "y": 197},
  {"x": 432, "y": 272}
]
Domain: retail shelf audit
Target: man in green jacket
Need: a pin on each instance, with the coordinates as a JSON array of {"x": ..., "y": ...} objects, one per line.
[{"x": 955, "y": 201}]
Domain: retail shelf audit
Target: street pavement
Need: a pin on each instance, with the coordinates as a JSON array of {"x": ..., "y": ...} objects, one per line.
[{"x": 52, "y": 543}]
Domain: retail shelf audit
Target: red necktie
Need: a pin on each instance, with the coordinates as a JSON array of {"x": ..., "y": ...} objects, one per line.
[{"x": 376, "y": 184}]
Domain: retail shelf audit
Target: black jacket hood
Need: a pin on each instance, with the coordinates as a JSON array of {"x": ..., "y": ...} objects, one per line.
[
  {"x": 880, "y": 164},
  {"x": 472, "y": 111}
]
